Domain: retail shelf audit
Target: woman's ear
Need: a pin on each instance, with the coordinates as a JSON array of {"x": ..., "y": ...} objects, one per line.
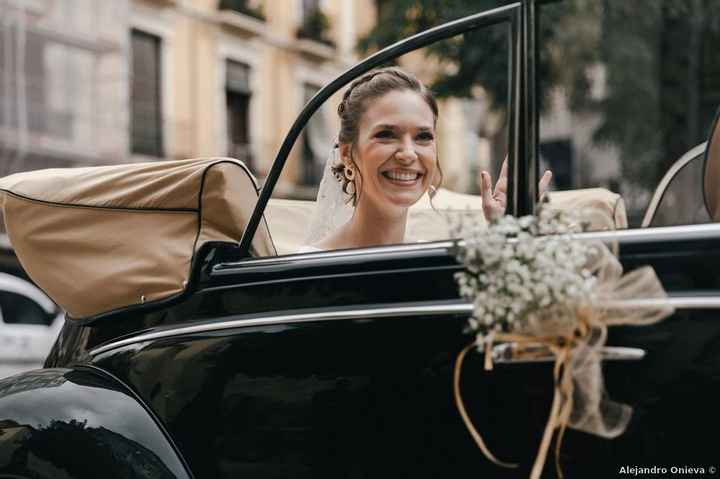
[{"x": 345, "y": 153}]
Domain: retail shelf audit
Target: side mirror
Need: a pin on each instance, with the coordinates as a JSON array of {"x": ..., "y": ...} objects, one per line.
[{"x": 711, "y": 171}]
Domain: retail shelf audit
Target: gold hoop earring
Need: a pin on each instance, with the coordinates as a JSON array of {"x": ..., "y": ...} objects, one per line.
[
  {"x": 432, "y": 191},
  {"x": 349, "y": 173}
]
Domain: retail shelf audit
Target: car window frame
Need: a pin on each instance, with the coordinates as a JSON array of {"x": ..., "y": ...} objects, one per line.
[
  {"x": 518, "y": 16},
  {"x": 695, "y": 153}
]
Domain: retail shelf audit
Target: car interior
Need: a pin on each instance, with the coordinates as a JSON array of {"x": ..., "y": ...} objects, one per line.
[
  {"x": 688, "y": 193},
  {"x": 430, "y": 221}
]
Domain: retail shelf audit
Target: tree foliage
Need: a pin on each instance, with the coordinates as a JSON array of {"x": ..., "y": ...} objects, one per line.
[
  {"x": 477, "y": 58},
  {"x": 662, "y": 75}
]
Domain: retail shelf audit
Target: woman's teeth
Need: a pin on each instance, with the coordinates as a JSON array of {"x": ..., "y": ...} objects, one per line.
[{"x": 401, "y": 176}]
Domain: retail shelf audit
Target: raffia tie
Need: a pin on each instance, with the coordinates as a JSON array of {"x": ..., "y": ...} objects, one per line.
[{"x": 562, "y": 404}]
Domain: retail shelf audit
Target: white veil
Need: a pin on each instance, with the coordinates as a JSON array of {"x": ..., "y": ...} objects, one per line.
[{"x": 332, "y": 208}]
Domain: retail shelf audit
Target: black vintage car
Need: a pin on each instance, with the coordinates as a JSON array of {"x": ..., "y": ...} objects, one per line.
[{"x": 339, "y": 363}]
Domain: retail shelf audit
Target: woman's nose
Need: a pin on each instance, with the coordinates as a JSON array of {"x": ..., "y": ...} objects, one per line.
[{"x": 406, "y": 152}]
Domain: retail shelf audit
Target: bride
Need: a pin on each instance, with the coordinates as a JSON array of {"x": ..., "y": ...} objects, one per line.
[{"x": 385, "y": 160}]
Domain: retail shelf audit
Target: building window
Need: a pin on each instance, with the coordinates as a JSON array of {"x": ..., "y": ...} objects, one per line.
[
  {"x": 315, "y": 25},
  {"x": 246, "y": 7},
  {"x": 146, "y": 95},
  {"x": 237, "y": 95},
  {"x": 316, "y": 143}
]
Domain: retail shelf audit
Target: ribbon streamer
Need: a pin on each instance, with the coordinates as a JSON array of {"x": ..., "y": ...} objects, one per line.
[
  {"x": 575, "y": 337},
  {"x": 560, "y": 410}
]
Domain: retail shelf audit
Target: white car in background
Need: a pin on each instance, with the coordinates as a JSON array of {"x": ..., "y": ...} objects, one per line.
[{"x": 29, "y": 324}]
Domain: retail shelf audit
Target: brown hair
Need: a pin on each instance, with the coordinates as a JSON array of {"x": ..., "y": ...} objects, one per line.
[{"x": 374, "y": 84}]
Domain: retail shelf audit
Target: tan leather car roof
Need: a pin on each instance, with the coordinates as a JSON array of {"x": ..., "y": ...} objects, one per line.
[{"x": 104, "y": 238}]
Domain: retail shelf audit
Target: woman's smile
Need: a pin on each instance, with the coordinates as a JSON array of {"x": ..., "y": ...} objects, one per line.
[{"x": 403, "y": 177}]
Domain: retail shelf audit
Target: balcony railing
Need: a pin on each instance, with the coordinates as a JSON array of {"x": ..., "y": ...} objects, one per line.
[
  {"x": 244, "y": 7},
  {"x": 315, "y": 26}
]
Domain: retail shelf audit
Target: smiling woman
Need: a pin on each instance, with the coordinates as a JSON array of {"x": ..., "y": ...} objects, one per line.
[{"x": 386, "y": 160}]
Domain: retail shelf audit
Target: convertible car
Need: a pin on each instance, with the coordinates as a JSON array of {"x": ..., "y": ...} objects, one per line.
[{"x": 197, "y": 344}]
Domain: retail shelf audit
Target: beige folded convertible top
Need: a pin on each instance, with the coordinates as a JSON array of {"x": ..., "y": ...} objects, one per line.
[{"x": 104, "y": 238}]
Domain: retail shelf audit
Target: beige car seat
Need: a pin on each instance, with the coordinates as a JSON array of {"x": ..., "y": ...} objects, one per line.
[{"x": 288, "y": 219}]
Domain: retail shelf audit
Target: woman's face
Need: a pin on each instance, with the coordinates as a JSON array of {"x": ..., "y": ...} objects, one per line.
[{"x": 395, "y": 151}]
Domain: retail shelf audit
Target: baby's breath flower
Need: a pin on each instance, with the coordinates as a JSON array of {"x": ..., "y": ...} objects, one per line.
[{"x": 513, "y": 266}]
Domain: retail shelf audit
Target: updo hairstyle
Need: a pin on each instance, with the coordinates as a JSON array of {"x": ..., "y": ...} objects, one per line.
[{"x": 371, "y": 85}]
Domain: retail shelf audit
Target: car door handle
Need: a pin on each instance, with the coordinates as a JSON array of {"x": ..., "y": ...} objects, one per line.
[{"x": 507, "y": 353}]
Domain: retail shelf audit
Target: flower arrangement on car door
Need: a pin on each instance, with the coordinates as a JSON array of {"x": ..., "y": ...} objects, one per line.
[{"x": 538, "y": 288}]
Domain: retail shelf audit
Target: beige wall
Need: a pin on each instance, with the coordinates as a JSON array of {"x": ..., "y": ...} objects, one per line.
[{"x": 201, "y": 39}]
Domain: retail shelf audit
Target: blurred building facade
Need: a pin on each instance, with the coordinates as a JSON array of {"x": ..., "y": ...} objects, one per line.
[
  {"x": 88, "y": 82},
  {"x": 237, "y": 72},
  {"x": 91, "y": 82},
  {"x": 63, "y": 83}
]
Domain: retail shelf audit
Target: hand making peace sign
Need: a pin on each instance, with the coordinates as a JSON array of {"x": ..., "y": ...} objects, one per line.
[{"x": 494, "y": 202}]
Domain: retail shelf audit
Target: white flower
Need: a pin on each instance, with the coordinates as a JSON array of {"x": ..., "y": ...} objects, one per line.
[{"x": 516, "y": 265}]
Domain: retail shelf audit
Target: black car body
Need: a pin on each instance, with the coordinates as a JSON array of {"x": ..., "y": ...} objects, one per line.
[{"x": 339, "y": 364}]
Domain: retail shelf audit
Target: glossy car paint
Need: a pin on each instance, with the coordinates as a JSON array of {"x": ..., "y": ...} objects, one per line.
[
  {"x": 80, "y": 424},
  {"x": 369, "y": 397}
]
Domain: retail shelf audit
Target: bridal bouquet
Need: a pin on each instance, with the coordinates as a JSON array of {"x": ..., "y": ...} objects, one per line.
[{"x": 538, "y": 288}]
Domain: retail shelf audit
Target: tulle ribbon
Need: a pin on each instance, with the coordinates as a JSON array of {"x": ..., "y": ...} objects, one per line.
[{"x": 575, "y": 335}]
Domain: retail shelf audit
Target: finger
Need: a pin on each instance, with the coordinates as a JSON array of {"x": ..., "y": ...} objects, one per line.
[
  {"x": 500, "y": 196},
  {"x": 485, "y": 192},
  {"x": 544, "y": 182},
  {"x": 503, "y": 177},
  {"x": 485, "y": 185},
  {"x": 500, "y": 193}
]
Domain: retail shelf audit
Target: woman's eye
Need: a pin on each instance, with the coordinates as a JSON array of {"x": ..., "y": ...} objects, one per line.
[
  {"x": 384, "y": 134},
  {"x": 425, "y": 137}
]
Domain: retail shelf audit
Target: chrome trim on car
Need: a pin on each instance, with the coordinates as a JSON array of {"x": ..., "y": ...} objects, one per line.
[
  {"x": 504, "y": 354},
  {"x": 273, "y": 319},
  {"x": 222, "y": 268},
  {"x": 454, "y": 307},
  {"x": 693, "y": 153},
  {"x": 677, "y": 302},
  {"x": 629, "y": 236},
  {"x": 658, "y": 234}
]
